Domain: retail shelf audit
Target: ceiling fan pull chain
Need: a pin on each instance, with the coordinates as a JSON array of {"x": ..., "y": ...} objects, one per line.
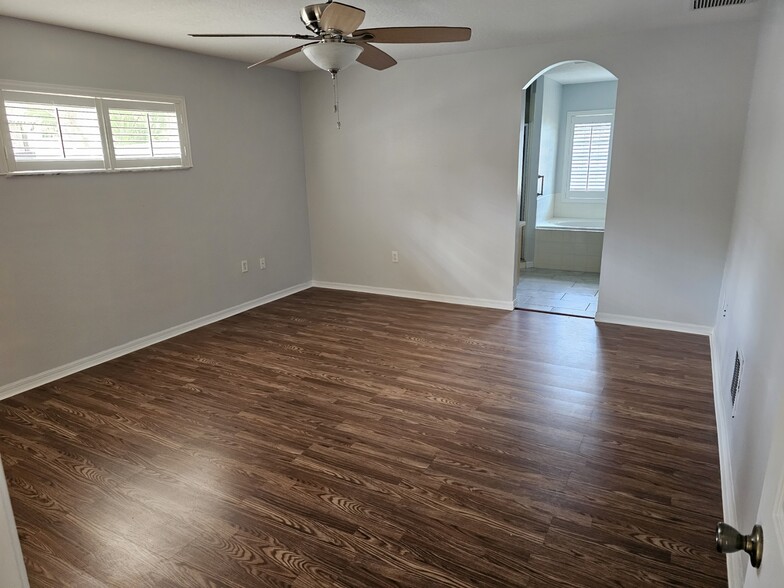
[{"x": 335, "y": 92}]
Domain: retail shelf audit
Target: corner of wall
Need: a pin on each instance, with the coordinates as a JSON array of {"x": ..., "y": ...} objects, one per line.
[
  {"x": 644, "y": 323},
  {"x": 40, "y": 379}
]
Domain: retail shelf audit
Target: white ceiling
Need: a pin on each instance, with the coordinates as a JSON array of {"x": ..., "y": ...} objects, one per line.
[
  {"x": 496, "y": 23},
  {"x": 580, "y": 72}
]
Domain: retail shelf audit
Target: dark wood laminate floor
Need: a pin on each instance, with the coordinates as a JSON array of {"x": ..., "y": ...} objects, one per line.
[{"x": 339, "y": 439}]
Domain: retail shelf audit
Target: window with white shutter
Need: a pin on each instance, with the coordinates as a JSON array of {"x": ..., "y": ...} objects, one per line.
[
  {"x": 144, "y": 134},
  {"x": 48, "y": 129},
  {"x": 588, "y": 154}
]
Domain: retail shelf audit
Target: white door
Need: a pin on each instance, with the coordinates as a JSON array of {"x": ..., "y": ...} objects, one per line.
[
  {"x": 771, "y": 516},
  {"x": 12, "y": 570}
]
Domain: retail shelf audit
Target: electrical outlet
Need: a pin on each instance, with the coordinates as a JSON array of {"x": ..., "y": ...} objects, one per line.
[
  {"x": 395, "y": 257},
  {"x": 244, "y": 266},
  {"x": 262, "y": 262}
]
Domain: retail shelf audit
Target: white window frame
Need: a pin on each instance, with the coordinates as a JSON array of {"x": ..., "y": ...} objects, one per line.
[
  {"x": 578, "y": 116},
  {"x": 103, "y": 100}
]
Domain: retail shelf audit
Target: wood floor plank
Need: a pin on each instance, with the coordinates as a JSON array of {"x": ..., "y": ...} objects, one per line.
[{"x": 344, "y": 439}]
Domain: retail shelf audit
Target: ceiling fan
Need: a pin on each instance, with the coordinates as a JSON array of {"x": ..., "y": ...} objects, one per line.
[{"x": 336, "y": 41}]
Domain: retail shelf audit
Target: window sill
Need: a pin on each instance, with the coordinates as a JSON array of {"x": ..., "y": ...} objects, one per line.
[{"x": 71, "y": 172}]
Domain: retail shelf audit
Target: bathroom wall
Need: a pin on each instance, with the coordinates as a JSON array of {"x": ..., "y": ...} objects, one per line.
[
  {"x": 567, "y": 249},
  {"x": 576, "y": 97}
]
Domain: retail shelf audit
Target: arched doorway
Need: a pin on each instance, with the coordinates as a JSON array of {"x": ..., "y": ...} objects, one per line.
[{"x": 566, "y": 154}]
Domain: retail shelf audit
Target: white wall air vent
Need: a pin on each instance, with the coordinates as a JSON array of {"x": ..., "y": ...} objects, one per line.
[{"x": 700, "y": 4}]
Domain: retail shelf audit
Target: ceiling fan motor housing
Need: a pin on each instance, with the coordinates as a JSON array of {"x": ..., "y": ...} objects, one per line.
[{"x": 311, "y": 16}]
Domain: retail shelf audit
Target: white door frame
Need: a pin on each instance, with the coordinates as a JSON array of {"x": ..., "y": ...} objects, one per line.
[{"x": 12, "y": 569}]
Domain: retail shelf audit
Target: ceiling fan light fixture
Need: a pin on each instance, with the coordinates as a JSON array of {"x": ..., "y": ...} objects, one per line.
[{"x": 332, "y": 56}]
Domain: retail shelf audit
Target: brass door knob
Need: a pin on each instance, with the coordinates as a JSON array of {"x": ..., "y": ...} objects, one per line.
[{"x": 729, "y": 540}]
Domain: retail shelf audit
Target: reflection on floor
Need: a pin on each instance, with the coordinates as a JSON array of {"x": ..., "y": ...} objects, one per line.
[{"x": 558, "y": 291}]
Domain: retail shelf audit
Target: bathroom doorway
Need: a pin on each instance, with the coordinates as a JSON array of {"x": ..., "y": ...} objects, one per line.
[{"x": 566, "y": 155}]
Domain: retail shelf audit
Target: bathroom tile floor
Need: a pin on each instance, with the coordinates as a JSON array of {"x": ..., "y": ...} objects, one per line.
[{"x": 558, "y": 292}]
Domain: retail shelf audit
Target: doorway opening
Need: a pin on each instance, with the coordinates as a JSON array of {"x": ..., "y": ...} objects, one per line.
[{"x": 566, "y": 155}]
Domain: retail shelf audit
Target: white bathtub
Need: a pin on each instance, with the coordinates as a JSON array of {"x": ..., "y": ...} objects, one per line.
[
  {"x": 573, "y": 244},
  {"x": 572, "y": 224}
]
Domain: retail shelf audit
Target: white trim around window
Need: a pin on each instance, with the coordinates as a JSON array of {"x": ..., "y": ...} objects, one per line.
[
  {"x": 586, "y": 169},
  {"x": 47, "y": 129}
]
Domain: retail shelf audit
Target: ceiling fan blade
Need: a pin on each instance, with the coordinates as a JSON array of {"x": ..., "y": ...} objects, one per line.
[
  {"x": 219, "y": 35},
  {"x": 280, "y": 56},
  {"x": 375, "y": 57},
  {"x": 341, "y": 17},
  {"x": 414, "y": 35}
]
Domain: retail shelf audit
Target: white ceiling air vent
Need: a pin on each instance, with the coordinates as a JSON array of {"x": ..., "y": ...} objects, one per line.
[{"x": 700, "y": 4}]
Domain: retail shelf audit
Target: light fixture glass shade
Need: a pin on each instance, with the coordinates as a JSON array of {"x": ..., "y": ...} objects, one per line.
[{"x": 332, "y": 56}]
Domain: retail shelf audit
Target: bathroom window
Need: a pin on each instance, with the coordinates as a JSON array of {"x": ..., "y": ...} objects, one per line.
[
  {"x": 588, "y": 154},
  {"x": 57, "y": 129}
]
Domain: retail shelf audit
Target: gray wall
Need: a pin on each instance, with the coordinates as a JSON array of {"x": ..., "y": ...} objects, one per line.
[
  {"x": 427, "y": 163},
  {"x": 754, "y": 282},
  {"x": 88, "y": 262}
]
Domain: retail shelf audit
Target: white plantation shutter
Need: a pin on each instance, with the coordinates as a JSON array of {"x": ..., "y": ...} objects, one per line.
[
  {"x": 49, "y": 131},
  {"x": 589, "y": 157},
  {"x": 143, "y": 131}
]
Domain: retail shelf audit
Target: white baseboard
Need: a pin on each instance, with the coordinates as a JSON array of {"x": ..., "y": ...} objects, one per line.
[
  {"x": 735, "y": 569},
  {"x": 53, "y": 374},
  {"x": 633, "y": 321},
  {"x": 429, "y": 296}
]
